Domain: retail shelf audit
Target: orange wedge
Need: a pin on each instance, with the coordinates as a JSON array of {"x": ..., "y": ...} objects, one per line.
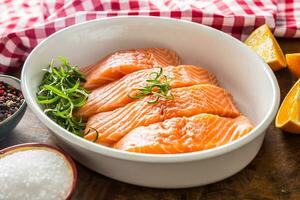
[
  {"x": 263, "y": 42},
  {"x": 288, "y": 116},
  {"x": 293, "y": 62}
]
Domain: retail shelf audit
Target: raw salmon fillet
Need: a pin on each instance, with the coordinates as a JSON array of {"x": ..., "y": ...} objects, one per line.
[
  {"x": 182, "y": 135},
  {"x": 115, "y": 95},
  {"x": 187, "y": 101},
  {"x": 118, "y": 64}
]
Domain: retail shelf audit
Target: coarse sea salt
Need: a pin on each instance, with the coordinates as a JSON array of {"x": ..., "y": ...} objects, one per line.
[{"x": 34, "y": 175}]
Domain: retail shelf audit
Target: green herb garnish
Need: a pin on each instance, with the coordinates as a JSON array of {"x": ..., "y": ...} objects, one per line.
[
  {"x": 158, "y": 85},
  {"x": 60, "y": 93},
  {"x": 97, "y": 133}
]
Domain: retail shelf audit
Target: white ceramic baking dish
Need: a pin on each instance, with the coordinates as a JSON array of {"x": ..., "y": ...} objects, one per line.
[{"x": 238, "y": 69}]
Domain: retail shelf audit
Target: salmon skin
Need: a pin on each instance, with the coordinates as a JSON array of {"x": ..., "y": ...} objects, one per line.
[
  {"x": 187, "y": 101},
  {"x": 118, "y": 64},
  {"x": 115, "y": 95},
  {"x": 182, "y": 135}
]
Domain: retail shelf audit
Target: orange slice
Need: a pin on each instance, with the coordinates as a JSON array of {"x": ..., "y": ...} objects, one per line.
[
  {"x": 288, "y": 116},
  {"x": 263, "y": 42},
  {"x": 293, "y": 62}
]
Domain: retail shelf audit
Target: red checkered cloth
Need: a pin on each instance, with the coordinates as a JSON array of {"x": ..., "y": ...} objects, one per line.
[{"x": 24, "y": 23}]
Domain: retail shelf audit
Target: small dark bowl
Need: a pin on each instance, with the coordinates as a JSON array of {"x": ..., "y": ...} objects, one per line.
[{"x": 11, "y": 122}]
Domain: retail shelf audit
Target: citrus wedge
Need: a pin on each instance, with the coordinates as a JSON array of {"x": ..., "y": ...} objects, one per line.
[
  {"x": 288, "y": 116},
  {"x": 263, "y": 42},
  {"x": 293, "y": 62}
]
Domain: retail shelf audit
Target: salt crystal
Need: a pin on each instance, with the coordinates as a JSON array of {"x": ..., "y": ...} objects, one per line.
[{"x": 34, "y": 175}]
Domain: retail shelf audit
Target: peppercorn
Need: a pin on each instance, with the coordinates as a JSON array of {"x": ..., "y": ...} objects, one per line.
[{"x": 10, "y": 100}]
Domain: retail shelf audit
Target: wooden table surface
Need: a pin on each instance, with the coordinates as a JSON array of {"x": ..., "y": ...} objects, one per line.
[{"x": 273, "y": 174}]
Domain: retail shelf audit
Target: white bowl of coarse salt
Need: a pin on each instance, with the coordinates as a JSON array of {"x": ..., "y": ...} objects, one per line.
[{"x": 36, "y": 172}]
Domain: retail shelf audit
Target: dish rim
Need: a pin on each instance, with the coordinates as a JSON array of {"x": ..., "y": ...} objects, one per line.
[{"x": 153, "y": 158}]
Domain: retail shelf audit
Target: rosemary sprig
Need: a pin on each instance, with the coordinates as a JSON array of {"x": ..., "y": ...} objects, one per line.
[
  {"x": 60, "y": 93},
  {"x": 157, "y": 85}
]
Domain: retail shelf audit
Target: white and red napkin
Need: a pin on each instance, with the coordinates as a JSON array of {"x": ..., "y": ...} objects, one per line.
[{"x": 25, "y": 23}]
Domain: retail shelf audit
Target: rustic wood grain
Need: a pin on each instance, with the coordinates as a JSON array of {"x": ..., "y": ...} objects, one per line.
[{"x": 273, "y": 174}]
